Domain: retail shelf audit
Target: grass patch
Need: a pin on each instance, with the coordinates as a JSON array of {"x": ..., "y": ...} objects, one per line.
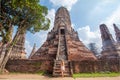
[
  {"x": 103, "y": 74},
  {"x": 40, "y": 72}
]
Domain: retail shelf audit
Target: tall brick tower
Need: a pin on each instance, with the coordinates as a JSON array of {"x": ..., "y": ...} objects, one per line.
[
  {"x": 107, "y": 39},
  {"x": 110, "y": 49},
  {"x": 63, "y": 44},
  {"x": 117, "y": 33},
  {"x": 18, "y": 51}
]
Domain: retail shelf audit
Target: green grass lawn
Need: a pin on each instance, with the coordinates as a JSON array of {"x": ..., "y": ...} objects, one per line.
[{"x": 110, "y": 74}]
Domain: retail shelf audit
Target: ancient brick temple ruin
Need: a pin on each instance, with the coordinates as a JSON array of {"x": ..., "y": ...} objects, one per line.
[
  {"x": 18, "y": 51},
  {"x": 62, "y": 43},
  {"x": 110, "y": 48}
]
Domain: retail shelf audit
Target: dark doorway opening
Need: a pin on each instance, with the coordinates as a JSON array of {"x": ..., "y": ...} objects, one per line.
[{"x": 62, "y": 31}]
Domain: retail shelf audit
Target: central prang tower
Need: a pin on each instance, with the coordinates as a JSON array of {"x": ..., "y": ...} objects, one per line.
[
  {"x": 63, "y": 44},
  {"x": 62, "y": 19}
]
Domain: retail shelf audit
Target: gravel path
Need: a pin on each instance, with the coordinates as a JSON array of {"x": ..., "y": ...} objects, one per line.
[{"x": 39, "y": 77}]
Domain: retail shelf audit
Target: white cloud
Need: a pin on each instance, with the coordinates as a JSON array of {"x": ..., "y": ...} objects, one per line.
[
  {"x": 100, "y": 8},
  {"x": 67, "y": 3},
  {"x": 88, "y": 36},
  {"x": 51, "y": 16},
  {"x": 73, "y": 26},
  {"x": 113, "y": 18},
  {"x": 104, "y": 2}
]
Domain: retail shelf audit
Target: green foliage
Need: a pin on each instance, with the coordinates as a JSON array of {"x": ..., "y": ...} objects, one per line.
[
  {"x": 26, "y": 14},
  {"x": 110, "y": 74},
  {"x": 40, "y": 72},
  {"x": 30, "y": 15}
]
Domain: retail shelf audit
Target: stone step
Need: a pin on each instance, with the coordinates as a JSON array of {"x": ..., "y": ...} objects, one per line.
[
  {"x": 60, "y": 64},
  {"x": 58, "y": 68},
  {"x": 59, "y": 75},
  {"x": 59, "y": 71},
  {"x": 66, "y": 65}
]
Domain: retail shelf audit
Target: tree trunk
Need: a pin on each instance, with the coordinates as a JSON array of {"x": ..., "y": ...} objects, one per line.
[
  {"x": 2, "y": 52},
  {"x": 8, "y": 50}
]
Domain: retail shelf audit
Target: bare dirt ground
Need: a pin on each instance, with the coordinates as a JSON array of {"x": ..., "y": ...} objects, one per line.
[{"x": 39, "y": 77}]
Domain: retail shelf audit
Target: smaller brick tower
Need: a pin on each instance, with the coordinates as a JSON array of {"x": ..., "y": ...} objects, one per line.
[
  {"x": 18, "y": 51},
  {"x": 110, "y": 49},
  {"x": 117, "y": 33},
  {"x": 33, "y": 51}
]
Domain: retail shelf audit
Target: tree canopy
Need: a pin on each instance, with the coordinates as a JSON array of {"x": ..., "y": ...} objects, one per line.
[{"x": 26, "y": 14}]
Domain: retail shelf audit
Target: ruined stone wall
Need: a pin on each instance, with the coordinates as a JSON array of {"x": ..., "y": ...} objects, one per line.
[
  {"x": 112, "y": 65},
  {"x": 31, "y": 66}
]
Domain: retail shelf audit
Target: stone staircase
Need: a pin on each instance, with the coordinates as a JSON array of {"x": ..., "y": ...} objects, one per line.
[
  {"x": 62, "y": 50},
  {"x": 61, "y": 55},
  {"x": 57, "y": 69}
]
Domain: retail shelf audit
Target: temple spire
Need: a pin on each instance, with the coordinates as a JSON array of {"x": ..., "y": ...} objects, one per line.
[
  {"x": 18, "y": 51},
  {"x": 107, "y": 38},
  {"x": 62, "y": 19},
  {"x": 117, "y": 32}
]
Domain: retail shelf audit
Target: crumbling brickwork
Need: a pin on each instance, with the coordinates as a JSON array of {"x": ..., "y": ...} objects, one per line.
[{"x": 29, "y": 66}]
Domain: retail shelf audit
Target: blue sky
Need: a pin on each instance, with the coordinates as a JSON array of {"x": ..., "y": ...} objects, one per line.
[{"x": 86, "y": 16}]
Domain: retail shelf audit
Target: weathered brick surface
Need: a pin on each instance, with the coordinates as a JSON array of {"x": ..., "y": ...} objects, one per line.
[
  {"x": 112, "y": 65},
  {"x": 32, "y": 66},
  {"x": 74, "y": 48},
  {"x": 63, "y": 41},
  {"x": 110, "y": 48}
]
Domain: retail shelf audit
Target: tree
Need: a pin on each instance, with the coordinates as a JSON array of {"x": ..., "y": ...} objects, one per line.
[
  {"x": 28, "y": 15},
  {"x": 5, "y": 21}
]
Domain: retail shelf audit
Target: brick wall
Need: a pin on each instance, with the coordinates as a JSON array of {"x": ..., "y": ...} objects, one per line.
[
  {"x": 112, "y": 65},
  {"x": 31, "y": 66}
]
